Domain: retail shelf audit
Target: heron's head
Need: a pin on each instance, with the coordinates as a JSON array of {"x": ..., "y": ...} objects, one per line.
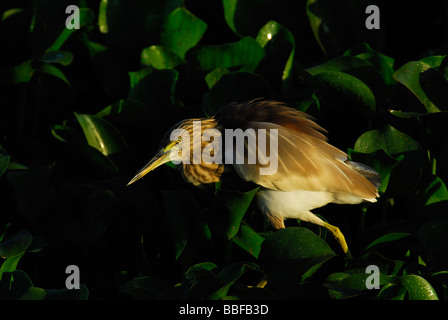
[{"x": 177, "y": 139}]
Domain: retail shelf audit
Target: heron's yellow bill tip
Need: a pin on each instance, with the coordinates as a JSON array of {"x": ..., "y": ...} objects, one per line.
[
  {"x": 131, "y": 182},
  {"x": 135, "y": 178},
  {"x": 155, "y": 162}
]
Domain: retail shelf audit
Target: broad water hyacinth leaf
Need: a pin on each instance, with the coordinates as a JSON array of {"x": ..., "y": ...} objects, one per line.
[
  {"x": 396, "y": 144},
  {"x": 436, "y": 192},
  {"x": 160, "y": 57},
  {"x": 419, "y": 78},
  {"x": 249, "y": 240},
  {"x": 292, "y": 255},
  {"x": 279, "y": 46},
  {"x": 101, "y": 135},
  {"x": 182, "y": 31},
  {"x": 387, "y": 138},
  {"x": 58, "y": 56},
  {"x": 234, "y": 205},
  {"x": 418, "y": 287},
  {"x": 245, "y": 53},
  {"x": 347, "y": 86},
  {"x": 15, "y": 245}
]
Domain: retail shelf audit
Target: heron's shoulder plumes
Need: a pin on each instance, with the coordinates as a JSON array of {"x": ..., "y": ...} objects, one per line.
[{"x": 243, "y": 115}]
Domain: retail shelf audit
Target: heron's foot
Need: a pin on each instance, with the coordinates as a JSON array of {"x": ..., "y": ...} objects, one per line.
[
  {"x": 260, "y": 284},
  {"x": 339, "y": 238}
]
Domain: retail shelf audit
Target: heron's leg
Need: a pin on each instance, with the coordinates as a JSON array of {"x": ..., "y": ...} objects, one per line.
[
  {"x": 339, "y": 237},
  {"x": 310, "y": 217},
  {"x": 262, "y": 282}
]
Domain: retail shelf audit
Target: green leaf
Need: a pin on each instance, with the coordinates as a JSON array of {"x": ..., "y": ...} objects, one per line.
[
  {"x": 435, "y": 192},
  {"x": 435, "y": 86},
  {"x": 387, "y": 138},
  {"x": 383, "y": 63},
  {"x": 234, "y": 205},
  {"x": 229, "y": 13},
  {"x": 159, "y": 57},
  {"x": 10, "y": 13},
  {"x": 208, "y": 266},
  {"x": 392, "y": 291},
  {"x": 279, "y": 47},
  {"x": 16, "y": 245},
  {"x": 391, "y": 237},
  {"x": 406, "y": 174},
  {"x": 53, "y": 71},
  {"x": 339, "y": 64},
  {"x": 213, "y": 76},
  {"x": 101, "y": 134},
  {"x": 360, "y": 69},
  {"x": 182, "y": 31},
  {"x": 409, "y": 75},
  {"x": 201, "y": 281},
  {"x": 418, "y": 288},
  {"x": 60, "y": 131},
  {"x": 346, "y": 86},
  {"x": 352, "y": 283},
  {"x": 102, "y": 17},
  {"x": 292, "y": 255},
  {"x": 13, "y": 284},
  {"x": 58, "y": 56},
  {"x": 433, "y": 61},
  {"x": 34, "y": 293},
  {"x": 249, "y": 240},
  {"x": 245, "y": 53},
  {"x": 10, "y": 264},
  {"x": 236, "y": 13},
  {"x": 234, "y": 271},
  {"x": 355, "y": 281},
  {"x": 406, "y": 114},
  {"x": 18, "y": 74},
  {"x": 229, "y": 275}
]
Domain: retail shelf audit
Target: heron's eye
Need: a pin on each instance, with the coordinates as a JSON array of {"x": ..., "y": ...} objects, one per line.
[{"x": 175, "y": 143}]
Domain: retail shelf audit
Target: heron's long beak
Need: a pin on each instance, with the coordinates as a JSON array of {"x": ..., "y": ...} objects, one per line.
[{"x": 163, "y": 156}]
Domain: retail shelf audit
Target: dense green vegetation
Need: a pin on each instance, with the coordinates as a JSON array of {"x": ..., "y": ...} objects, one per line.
[{"x": 83, "y": 109}]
